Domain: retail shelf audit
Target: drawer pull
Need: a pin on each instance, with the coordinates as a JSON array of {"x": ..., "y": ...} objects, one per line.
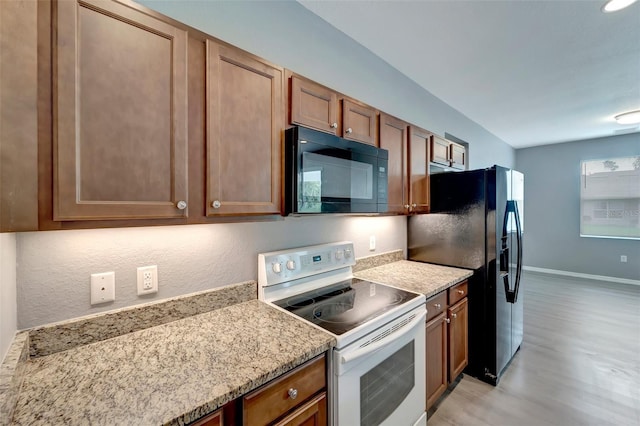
[
  {"x": 293, "y": 393},
  {"x": 460, "y": 291},
  {"x": 438, "y": 306}
]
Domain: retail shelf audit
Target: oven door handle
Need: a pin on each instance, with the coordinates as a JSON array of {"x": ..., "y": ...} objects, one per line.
[{"x": 407, "y": 328}]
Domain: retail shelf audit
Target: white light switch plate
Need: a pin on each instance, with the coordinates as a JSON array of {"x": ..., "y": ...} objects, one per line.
[{"x": 103, "y": 288}]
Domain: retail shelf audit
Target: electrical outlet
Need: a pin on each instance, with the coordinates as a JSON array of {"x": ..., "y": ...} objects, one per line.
[
  {"x": 103, "y": 288},
  {"x": 623, "y": 258},
  {"x": 147, "y": 280},
  {"x": 372, "y": 243}
]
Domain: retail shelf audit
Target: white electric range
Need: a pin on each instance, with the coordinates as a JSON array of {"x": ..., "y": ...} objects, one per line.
[{"x": 377, "y": 368}]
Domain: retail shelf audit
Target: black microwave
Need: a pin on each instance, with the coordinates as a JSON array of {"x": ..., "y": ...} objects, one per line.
[{"x": 328, "y": 174}]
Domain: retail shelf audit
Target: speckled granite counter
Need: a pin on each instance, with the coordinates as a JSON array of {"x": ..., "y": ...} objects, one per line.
[
  {"x": 169, "y": 374},
  {"x": 420, "y": 277}
]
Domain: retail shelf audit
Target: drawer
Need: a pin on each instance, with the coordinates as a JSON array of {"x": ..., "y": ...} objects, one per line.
[
  {"x": 436, "y": 305},
  {"x": 458, "y": 292},
  {"x": 272, "y": 401}
]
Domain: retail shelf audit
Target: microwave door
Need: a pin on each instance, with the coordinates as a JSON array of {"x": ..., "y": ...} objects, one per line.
[{"x": 335, "y": 180}]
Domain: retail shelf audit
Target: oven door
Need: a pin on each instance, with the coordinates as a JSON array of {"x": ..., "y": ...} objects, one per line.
[{"x": 380, "y": 379}]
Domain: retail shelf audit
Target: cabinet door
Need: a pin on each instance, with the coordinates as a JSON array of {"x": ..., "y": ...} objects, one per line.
[
  {"x": 358, "y": 122},
  {"x": 458, "y": 155},
  {"x": 120, "y": 128},
  {"x": 436, "y": 336},
  {"x": 245, "y": 117},
  {"x": 440, "y": 150},
  {"x": 393, "y": 137},
  {"x": 458, "y": 338},
  {"x": 313, "y": 413},
  {"x": 313, "y": 105},
  {"x": 419, "y": 141}
]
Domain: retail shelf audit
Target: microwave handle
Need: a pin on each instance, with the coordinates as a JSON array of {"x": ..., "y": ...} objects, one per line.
[{"x": 359, "y": 353}]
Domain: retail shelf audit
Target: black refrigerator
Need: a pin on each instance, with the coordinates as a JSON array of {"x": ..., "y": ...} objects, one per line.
[{"x": 476, "y": 222}]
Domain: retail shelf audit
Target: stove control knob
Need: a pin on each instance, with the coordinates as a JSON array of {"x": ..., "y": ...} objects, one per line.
[
  {"x": 339, "y": 254},
  {"x": 291, "y": 265},
  {"x": 277, "y": 268},
  {"x": 347, "y": 253}
]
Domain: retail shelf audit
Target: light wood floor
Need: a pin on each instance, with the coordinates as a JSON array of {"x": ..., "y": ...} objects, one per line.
[{"x": 579, "y": 363}]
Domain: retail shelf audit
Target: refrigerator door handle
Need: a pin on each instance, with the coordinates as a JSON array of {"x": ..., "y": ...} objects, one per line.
[
  {"x": 519, "y": 241},
  {"x": 511, "y": 294}
]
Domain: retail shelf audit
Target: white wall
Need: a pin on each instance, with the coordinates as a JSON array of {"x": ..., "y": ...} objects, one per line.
[
  {"x": 8, "y": 305},
  {"x": 54, "y": 267}
]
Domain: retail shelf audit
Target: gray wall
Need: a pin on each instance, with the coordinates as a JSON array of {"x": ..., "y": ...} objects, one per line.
[
  {"x": 53, "y": 268},
  {"x": 552, "y": 209}
]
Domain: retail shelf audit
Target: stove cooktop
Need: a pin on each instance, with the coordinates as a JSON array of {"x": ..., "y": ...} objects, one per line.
[{"x": 343, "y": 306}]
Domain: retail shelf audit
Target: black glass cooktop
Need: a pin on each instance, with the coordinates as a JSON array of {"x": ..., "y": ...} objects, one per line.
[{"x": 346, "y": 305}]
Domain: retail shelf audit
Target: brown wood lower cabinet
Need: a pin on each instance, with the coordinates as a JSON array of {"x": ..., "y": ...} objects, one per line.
[
  {"x": 296, "y": 398},
  {"x": 447, "y": 339}
]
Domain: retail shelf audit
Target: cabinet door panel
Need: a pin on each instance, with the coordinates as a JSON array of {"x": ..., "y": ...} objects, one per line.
[
  {"x": 360, "y": 120},
  {"x": 440, "y": 150},
  {"x": 419, "y": 141},
  {"x": 458, "y": 338},
  {"x": 313, "y": 106},
  {"x": 120, "y": 135},
  {"x": 393, "y": 137},
  {"x": 244, "y": 122},
  {"x": 436, "y": 336},
  {"x": 458, "y": 156}
]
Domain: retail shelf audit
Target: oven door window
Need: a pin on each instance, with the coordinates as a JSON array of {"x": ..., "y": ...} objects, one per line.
[
  {"x": 386, "y": 386},
  {"x": 326, "y": 176}
]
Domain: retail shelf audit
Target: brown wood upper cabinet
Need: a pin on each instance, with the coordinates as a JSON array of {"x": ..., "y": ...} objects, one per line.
[
  {"x": 419, "y": 144},
  {"x": 313, "y": 105},
  {"x": 245, "y": 118},
  {"x": 393, "y": 137},
  {"x": 120, "y": 114},
  {"x": 448, "y": 153},
  {"x": 358, "y": 122}
]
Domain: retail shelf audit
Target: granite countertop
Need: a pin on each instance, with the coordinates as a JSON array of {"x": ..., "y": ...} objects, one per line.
[
  {"x": 169, "y": 374},
  {"x": 419, "y": 277}
]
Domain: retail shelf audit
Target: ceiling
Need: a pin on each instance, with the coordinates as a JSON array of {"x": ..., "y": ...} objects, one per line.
[{"x": 530, "y": 72}]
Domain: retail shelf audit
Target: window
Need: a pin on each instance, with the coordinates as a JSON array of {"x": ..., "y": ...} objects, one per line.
[{"x": 610, "y": 198}]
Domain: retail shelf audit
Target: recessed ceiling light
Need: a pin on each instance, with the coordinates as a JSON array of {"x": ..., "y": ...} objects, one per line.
[
  {"x": 615, "y": 5},
  {"x": 631, "y": 117}
]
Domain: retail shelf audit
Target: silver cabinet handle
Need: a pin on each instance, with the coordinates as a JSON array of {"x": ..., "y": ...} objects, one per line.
[
  {"x": 438, "y": 306},
  {"x": 334, "y": 125},
  {"x": 414, "y": 205},
  {"x": 447, "y": 320},
  {"x": 454, "y": 316},
  {"x": 406, "y": 206},
  {"x": 460, "y": 291},
  {"x": 293, "y": 393},
  {"x": 349, "y": 130},
  {"x": 216, "y": 204},
  {"x": 181, "y": 205}
]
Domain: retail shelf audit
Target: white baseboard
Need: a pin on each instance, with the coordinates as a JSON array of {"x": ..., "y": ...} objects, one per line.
[{"x": 580, "y": 275}]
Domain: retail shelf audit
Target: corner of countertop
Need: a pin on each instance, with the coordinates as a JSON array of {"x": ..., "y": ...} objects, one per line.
[{"x": 12, "y": 375}]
